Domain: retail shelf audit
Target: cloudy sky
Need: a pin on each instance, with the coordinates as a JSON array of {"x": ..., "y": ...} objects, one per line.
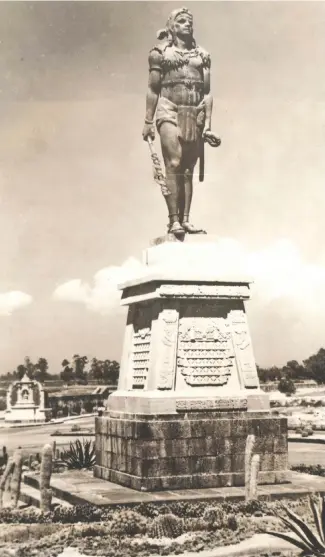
[{"x": 78, "y": 203}]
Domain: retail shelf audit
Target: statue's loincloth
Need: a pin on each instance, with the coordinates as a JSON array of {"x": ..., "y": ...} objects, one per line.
[{"x": 188, "y": 119}]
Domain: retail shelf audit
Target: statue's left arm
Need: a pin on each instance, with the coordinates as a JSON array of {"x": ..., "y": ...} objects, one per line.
[{"x": 208, "y": 99}]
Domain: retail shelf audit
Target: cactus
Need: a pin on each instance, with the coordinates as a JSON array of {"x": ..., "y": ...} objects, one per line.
[
  {"x": 214, "y": 515},
  {"x": 195, "y": 525},
  {"x": 166, "y": 526},
  {"x": 255, "y": 466},
  {"x": 4, "y": 455},
  {"x": 4, "y": 478},
  {"x": 250, "y": 445},
  {"x": 46, "y": 500},
  {"x": 128, "y": 523},
  {"x": 46, "y": 471},
  {"x": 16, "y": 477},
  {"x": 232, "y": 523}
]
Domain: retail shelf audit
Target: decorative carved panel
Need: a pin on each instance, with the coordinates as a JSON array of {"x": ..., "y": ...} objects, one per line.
[
  {"x": 141, "y": 349},
  {"x": 167, "y": 351},
  {"x": 205, "y": 352},
  {"x": 226, "y": 403},
  {"x": 243, "y": 349},
  {"x": 233, "y": 291}
]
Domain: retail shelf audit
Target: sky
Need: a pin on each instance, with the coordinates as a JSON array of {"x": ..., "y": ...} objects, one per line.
[{"x": 77, "y": 199}]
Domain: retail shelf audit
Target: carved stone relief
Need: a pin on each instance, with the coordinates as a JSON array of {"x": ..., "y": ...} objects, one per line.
[
  {"x": 243, "y": 349},
  {"x": 141, "y": 349},
  {"x": 205, "y": 353},
  {"x": 211, "y": 404},
  {"x": 167, "y": 352},
  {"x": 205, "y": 290}
]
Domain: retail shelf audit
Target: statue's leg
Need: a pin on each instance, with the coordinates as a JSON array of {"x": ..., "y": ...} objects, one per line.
[
  {"x": 172, "y": 153},
  {"x": 191, "y": 156},
  {"x": 181, "y": 197}
]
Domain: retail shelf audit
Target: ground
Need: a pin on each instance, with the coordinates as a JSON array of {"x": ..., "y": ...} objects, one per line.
[{"x": 33, "y": 438}]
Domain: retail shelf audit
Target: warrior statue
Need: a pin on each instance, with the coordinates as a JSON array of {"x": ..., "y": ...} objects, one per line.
[{"x": 179, "y": 95}]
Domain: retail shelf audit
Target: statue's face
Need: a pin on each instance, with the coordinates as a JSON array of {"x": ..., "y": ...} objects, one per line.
[{"x": 183, "y": 25}]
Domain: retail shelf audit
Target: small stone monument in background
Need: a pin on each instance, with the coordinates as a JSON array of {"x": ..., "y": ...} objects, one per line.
[
  {"x": 26, "y": 402},
  {"x": 188, "y": 395}
]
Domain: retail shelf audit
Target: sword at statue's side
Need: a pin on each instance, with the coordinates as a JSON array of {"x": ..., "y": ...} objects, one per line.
[
  {"x": 158, "y": 173},
  {"x": 214, "y": 141}
]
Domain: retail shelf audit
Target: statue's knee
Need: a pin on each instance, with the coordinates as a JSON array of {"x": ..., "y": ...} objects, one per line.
[{"x": 174, "y": 164}]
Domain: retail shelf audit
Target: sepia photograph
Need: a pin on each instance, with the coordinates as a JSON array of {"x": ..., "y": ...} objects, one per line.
[{"x": 162, "y": 283}]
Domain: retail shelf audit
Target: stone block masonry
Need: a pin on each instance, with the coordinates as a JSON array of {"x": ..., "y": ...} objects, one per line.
[{"x": 188, "y": 452}]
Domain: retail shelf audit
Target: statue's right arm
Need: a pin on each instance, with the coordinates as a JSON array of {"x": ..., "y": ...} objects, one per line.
[{"x": 153, "y": 92}]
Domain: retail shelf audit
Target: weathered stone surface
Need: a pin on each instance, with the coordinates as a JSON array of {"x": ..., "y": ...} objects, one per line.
[
  {"x": 155, "y": 452},
  {"x": 280, "y": 444},
  {"x": 188, "y": 393}
]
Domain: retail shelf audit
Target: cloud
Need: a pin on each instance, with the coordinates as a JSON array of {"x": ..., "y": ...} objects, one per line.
[
  {"x": 11, "y": 301},
  {"x": 287, "y": 311},
  {"x": 103, "y": 295},
  {"x": 277, "y": 272}
]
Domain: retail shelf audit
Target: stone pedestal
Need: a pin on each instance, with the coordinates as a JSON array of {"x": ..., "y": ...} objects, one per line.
[{"x": 188, "y": 393}]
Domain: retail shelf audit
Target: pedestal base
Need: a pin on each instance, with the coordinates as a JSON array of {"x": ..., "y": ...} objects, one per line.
[
  {"x": 25, "y": 415},
  {"x": 188, "y": 451}
]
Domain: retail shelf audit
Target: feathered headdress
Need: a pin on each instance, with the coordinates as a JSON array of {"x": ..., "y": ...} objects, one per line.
[{"x": 167, "y": 32}]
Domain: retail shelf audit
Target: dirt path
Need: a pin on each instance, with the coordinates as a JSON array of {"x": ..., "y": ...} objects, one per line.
[{"x": 254, "y": 546}]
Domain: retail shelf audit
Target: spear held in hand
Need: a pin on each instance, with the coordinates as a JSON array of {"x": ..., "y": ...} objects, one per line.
[{"x": 158, "y": 173}]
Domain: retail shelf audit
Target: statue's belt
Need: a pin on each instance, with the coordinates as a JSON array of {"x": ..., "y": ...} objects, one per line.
[
  {"x": 190, "y": 83},
  {"x": 169, "y": 111}
]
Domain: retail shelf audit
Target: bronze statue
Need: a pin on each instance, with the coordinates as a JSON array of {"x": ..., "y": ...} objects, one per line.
[{"x": 179, "y": 95}]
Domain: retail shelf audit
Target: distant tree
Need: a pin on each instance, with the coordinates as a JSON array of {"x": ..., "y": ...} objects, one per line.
[
  {"x": 286, "y": 386},
  {"x": 20, "y": 371},
  {"x": 315, "y": 365},
  {"x": 79, "y": 363},
  {"x": 111, "y": 370},
  {"x": 269, "y": 374},
  {"x": 67, "y": 373},
  {"x": 295, "y": 371},
  {"x": 40, "y": 372},
  {"x": 96, "y": 369},
  {"x": 30, "y": 367}
]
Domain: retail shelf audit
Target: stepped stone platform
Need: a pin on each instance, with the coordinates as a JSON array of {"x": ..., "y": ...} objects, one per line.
[
  {"x": 32, "y": 497},
  {"x": 81, "y": 488}
]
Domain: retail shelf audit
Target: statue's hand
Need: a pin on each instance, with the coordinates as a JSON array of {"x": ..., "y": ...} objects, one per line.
[
  {"x": 148, "y": 131},
  {"x": 211, "y": 138}
]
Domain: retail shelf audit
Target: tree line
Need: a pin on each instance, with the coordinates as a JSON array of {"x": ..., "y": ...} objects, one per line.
[
  {"x": 76, "y": 370},
  {"x": 313, "y": 368},
  {"x": 79, "y": 369}
]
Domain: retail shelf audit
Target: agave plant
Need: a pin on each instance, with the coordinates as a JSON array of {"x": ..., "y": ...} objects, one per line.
[
  {"x": 80, "y": 455},
  {"x": 311, "y": 543}
]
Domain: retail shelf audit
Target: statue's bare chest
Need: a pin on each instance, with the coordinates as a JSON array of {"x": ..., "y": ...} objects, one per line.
[{"x": 182, "y": 63}]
